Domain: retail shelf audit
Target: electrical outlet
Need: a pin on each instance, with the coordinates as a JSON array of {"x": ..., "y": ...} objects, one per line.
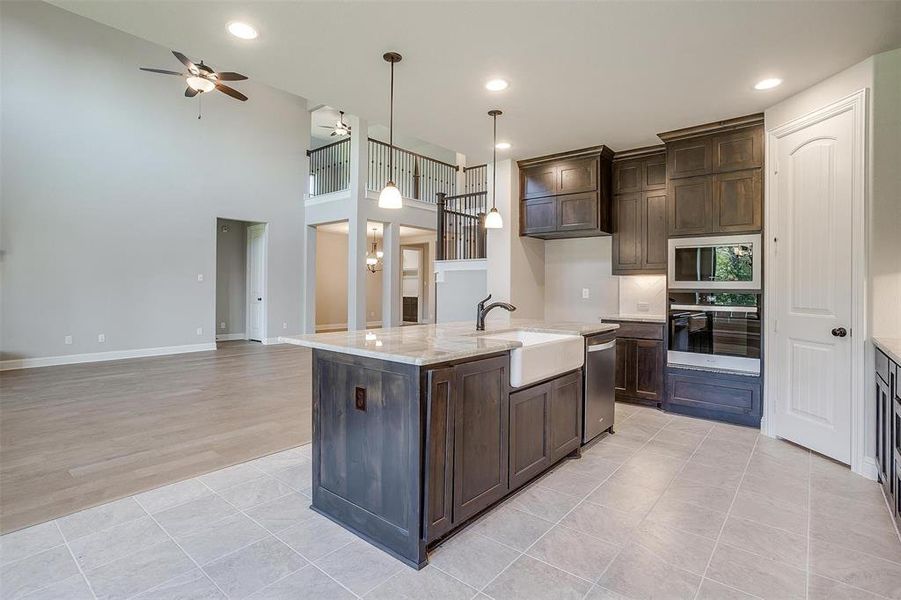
[
  {"x": 200, "y": 331},
  {"x": 284, "y": 325},
  {"x": 101, "y": 337},
  {"x": 222, "y": 325},
  {"x": 586, "y": 293},
  {"x": 644, "y": 306},
  {"x": 200, "y": 277},
  {"x": 68, "y": 340}
]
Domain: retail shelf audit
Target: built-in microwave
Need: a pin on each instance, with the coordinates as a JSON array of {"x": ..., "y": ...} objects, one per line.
[
  {"x": 715, "y": 330},
  {"x": 728, "y": 262}
]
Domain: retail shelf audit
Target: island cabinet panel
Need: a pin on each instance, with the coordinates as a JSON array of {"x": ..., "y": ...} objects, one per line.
[
  {"x": 367, "y": 449},
  {"x": 481, "y": 435},
  {"x": 565, "y": 415},
  {"x": 529, "y": 449},
  {"x": 439, "y": 460}
]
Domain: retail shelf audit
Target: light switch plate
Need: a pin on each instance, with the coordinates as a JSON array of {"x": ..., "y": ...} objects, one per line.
[
  {"x": 586, "y": 293},
  {"x": 200, "y": 331},
  {"x": 101, "y": 337},
  {"x": 200, "y": 277},
  {"x": 222, "y": 325},
  {"x": 68, "y": 340}
]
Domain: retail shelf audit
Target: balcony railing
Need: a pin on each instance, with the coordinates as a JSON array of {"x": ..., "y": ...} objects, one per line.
[
  {"x": 475, "y": 179},
  {"x": 461, "y": 226},
  {"x": 417, "y": 176}
]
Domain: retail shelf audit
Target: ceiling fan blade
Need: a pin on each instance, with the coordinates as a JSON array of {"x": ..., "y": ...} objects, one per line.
[
  {"x": 231, "y": 92},
  {"x": 190, "y": 92},
  {"x": 229, "y": 76},
  {"x": 163, "y": 71},
  {"x": 186, "y": 62}
]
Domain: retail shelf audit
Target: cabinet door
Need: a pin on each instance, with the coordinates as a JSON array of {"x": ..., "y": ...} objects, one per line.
[
  {"x": 654, "y": 173},
  {"x": 577, "y": 211},
  {"x": 481, "y": 435},
  {"x": 529, "y": 449},
  {"x": 688, "y": 205},
  {"x": 687, "y": 158},
  {"x": 741, "y": 149},
  {"x": 621, "y": 379},
  {"x": 737, "y": 202},
  {"x": 539, "y": 181},
  {"x": 648, "y": 370},
  {"x": 574, "y": 176},
  {"x": 538, "y": 216},
  {"x": 653, "y": 232},
  {"x": 627, "y": 176},
  {"x": 883, "y": 416},
  {"x": 627, "y": 233},
  {"x": 439, "y": 454},
  {"x": 565, "y": 421}
]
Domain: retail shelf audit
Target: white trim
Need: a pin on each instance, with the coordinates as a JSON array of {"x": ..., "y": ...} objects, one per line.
[
  {"x": 861, "y": 463},
  {"x": 474, "y": 264},
  {"x": 269, "y": 341},
  {"x": 71, "y": 359},
  {"x": 230, "y": 337},
  {"x": 707, "y": 242}
]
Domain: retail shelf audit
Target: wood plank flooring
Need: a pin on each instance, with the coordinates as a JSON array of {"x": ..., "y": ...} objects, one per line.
[{"x": 75, "y": 436}]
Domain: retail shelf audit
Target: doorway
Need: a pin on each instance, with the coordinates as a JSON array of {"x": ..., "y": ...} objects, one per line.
[
  {"x": 411, "y": 284},
  {"x": 815, "y": 249},
  {"x": 240, "y": 280}
]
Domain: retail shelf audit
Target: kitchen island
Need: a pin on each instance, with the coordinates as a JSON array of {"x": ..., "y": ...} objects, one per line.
[{"x": 416, "y": 430}]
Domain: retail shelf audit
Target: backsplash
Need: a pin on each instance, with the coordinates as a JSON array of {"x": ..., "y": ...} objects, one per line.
[{"x": 642, "y": 295}]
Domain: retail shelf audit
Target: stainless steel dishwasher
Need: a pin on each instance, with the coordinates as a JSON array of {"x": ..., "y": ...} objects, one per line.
[{"x": 600, "y": 366}]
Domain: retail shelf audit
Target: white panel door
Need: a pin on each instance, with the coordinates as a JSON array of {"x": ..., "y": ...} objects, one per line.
[
  {"x": 256, "y": 282},
  {"x": 813, "y": 274}
]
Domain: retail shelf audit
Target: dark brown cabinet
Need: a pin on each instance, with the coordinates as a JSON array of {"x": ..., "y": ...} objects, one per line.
[
  {"x": 715, "y": 178},
  {"x": 481, "y": 442},
  {"x": 639, "y": 213},
  {"x": 566, "y": 195},
  {"x": 712, "y": 395},
  {"x": 565, "y": 415},
  {"x": 888, "y": 427},
  {"x": 640, "y": 363}
]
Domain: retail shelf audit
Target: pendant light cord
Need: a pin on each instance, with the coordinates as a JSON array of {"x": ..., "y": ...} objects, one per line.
[
  {"x": 494, "y": 167},
  {"x": 391, "y": 129}
]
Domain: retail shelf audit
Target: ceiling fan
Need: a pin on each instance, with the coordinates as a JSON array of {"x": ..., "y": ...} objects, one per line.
[
  {"x": 200, "y": 78},
  {"x": 340, "y": 127}
]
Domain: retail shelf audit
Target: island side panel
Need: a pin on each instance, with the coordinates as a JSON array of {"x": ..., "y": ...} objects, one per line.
[{"x": 367, "y": 448}]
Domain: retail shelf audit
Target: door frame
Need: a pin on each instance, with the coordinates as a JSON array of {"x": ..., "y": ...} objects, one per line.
[
  {"x": 862, "y": 461},
  {"x": 264, "y": 282}
]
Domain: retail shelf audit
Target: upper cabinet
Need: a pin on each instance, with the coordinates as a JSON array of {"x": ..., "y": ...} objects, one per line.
[
  {"x": 639, "y": 211},
  {"x": 715, "y": 177},
  {"x": 566, "y": 195}
]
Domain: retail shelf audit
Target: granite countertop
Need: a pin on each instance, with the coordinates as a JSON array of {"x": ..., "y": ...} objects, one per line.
[
  {"x": 891, "y": 347},
  {"x": 642, "y": 318},
  {"x": 430, "y": 344}
]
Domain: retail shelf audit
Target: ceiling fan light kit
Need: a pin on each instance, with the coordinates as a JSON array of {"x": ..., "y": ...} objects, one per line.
[
  {"x": 390, "y": 196},
  {"x": 200, "y": 78}
]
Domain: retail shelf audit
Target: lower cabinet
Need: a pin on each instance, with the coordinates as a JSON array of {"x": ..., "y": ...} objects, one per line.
[
  {"x": 888, "y": 430},
  {"x": 545, "y": 426},
  {"x": 482, "y": 441},
  {"x": 711, "y": 395},
  {"x": 640, "y": 363}
]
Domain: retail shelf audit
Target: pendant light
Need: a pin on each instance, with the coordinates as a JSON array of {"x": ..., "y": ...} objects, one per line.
[
  {"x": 493, "y": 219},
  {"x": 390, "y": 196}
]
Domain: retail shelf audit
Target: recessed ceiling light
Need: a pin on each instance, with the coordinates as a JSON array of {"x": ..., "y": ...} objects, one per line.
[
  {"x": 496, "y": 85},
  {"x": 502, "y": 145},
  {"x": 767, "y": 84},
  {"x": 242, "y": 30}
]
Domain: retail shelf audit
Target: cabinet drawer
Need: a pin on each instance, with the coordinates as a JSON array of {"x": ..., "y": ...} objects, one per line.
[
  {"x": 632, "y": 329},
  {"x": 734, "y": 398}
]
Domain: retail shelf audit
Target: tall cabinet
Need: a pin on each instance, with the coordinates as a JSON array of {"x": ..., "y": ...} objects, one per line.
[{"x": 639, "y": 211}]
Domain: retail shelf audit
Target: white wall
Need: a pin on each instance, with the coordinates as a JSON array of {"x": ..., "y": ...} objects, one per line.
[
  {"x": 637, "y": 292},
  {"x": 458, "y": 291},
  {"x": 111, "y": 188},
  {"x": 571, "y": 266},
  {"x": 231, "y": 276}
]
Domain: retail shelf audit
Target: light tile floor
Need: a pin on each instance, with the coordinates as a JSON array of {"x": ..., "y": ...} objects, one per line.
[{"x": 668, "y": 507}]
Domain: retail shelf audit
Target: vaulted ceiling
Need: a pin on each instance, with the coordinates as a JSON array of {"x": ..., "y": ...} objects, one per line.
[{"x": 580, "y": 73}]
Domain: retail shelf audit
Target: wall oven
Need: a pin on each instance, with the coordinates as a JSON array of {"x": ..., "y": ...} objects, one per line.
[
  {"x": 728, "y": 262},
  {"x": 715, "y": 330}
]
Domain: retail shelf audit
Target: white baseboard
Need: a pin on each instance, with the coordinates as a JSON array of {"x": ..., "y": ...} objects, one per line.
[
  {"x": 270, "y": 340},
  {"x": 71, "y": 359},
  {"x": 230, "y": 337}
]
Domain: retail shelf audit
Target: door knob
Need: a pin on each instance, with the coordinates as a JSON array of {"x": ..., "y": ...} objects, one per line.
[{"x": 839, "y": 332}]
